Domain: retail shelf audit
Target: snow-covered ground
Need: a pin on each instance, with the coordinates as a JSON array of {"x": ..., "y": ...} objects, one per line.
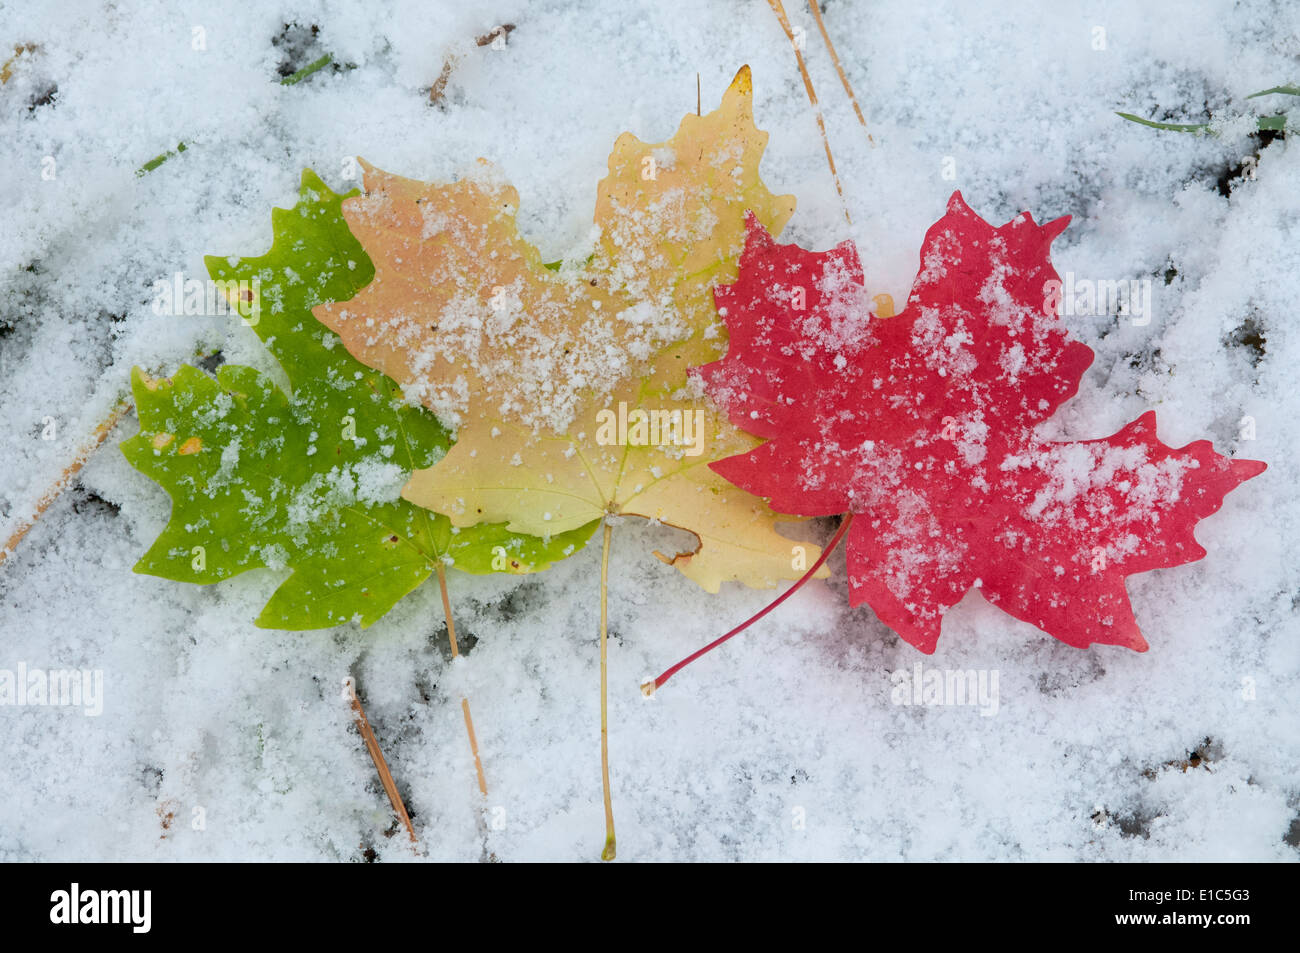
[{"x": 787, "y": 743}]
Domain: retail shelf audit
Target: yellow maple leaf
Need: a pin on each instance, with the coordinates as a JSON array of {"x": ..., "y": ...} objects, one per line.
[{"x": 568, "y": 386}]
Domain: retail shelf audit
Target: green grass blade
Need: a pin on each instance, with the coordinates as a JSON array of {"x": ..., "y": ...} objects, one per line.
[
  {"x": 1284, "y": 90},
  {"x": 307, "y": 70},
  {"x": 1198, "y": 127},
  {"x": 159, "y": 160}
]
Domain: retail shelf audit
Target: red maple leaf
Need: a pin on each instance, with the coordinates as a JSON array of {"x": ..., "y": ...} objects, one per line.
[{"x": 922, "y": 426}]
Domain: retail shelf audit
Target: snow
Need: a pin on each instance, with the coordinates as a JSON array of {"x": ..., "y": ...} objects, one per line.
[{"x": 787, "y": 743}]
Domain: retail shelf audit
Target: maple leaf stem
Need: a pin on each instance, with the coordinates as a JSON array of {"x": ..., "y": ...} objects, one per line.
[
  {"x": 377, "y": 756},
  {"x": 609, "y": 851},
  {"x": 648, "y": 688},
  {"x": 464, "y": 702}
]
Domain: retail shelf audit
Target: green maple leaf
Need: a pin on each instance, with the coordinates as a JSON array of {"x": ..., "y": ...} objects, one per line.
[{"x": 309, "y": 481}]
